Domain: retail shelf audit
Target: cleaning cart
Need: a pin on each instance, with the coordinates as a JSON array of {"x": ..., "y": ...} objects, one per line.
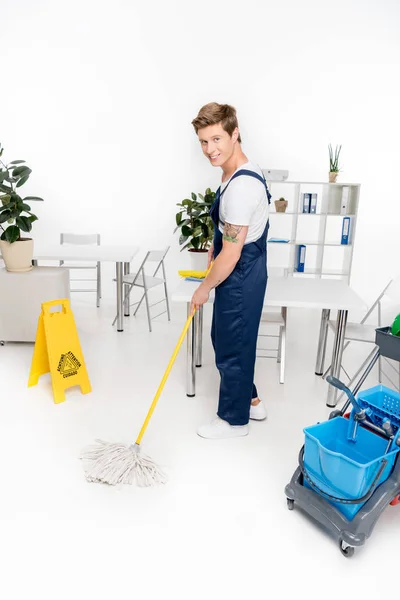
[{"x": 349, "y": 466}]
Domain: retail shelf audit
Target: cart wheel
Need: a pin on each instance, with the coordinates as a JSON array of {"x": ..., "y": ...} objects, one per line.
[
  {"x": 2, "y": 343},
  {"x": 290, "y": 503},
  {"x": 346, "y": 550}
]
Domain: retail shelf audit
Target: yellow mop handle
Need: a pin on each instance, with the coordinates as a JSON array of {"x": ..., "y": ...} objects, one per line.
[
  {"x": 167, "y": 372},
  {"x": 164, "y": 379}
]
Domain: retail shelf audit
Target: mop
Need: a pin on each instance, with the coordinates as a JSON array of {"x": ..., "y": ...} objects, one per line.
[{"x": 116, "y": 463}]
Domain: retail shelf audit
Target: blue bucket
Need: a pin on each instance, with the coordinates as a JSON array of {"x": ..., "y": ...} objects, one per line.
[{"x": 344, "y": 468}]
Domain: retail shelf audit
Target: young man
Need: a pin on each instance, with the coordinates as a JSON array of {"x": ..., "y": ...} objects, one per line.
[{"x": 239, "y": 272}]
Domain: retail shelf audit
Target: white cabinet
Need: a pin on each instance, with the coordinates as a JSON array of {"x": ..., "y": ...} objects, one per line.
[{"x": 21, "y": 297}]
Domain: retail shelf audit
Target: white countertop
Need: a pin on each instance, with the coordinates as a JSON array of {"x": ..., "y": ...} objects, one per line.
[
  {"x": 74, "y": 252},
  {"x": 294, "y": 292}
]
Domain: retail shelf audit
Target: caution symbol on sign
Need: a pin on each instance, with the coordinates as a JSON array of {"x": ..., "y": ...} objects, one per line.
[
  {"x": 58, "y": 351},
  {"x": 68, "y": 365}
]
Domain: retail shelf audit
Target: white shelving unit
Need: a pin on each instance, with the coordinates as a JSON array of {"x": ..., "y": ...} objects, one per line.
[{"x": 320, "y": 232}]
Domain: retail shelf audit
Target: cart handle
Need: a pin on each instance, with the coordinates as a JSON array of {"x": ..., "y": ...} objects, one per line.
[{"x": 343, "y": 388}]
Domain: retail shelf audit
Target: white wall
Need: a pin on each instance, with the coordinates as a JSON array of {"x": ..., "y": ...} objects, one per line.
[{"x": 98, "y": 97}]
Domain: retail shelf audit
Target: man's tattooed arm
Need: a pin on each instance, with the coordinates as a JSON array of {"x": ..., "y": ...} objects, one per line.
[
  {"x": 233, "y": 240},
  {"x": 232, "y": 233}
]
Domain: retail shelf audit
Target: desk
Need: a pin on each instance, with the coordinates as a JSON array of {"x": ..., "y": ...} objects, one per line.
[
  {"x": 120, "y": 255},
  {"x": 286, "y": 292}
]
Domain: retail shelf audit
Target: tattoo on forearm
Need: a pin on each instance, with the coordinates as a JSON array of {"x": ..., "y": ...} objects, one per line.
[{"x": 231, "y": 232}]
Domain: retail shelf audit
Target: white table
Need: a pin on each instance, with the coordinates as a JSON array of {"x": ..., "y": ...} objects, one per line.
[
  {"x": 286, "y": 292},
  {"x": 120, "y": 255}
]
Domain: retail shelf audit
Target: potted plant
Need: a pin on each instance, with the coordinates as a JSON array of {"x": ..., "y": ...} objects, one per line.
[
  {"x": 197, "y": 228},
  {"x": 281, "y": 205},
  {"x": 334, "y": 163},
  {"x": 16, "y": 217}
]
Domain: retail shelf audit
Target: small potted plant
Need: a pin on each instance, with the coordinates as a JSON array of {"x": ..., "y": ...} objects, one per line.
[
  {"x": 281, "y": 205},
  {"x": 334, "y": 163},
  {"x": 197, "y": 228},
  {"x": 16, "y": 217}
]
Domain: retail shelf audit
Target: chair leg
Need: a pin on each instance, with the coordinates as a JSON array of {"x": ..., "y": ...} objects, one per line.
[
  {"x": 329, "y": 368},
  {"x": 167, "y": 301},
  {"x": 139, "y": 303},
  {"x": 283, "y": 347},
  {"x": 148, "y": 309},
  {"x": 279, "y": 345},
  {"x": 166, "y": 290},
  {"x": 283, "y": 356},
  {"x": 362, "y": 368},
  {"x": 98, "y": 284}
]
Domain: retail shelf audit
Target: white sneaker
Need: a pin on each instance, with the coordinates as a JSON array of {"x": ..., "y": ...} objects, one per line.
[
  {"x": 219, "y": 429},
  {"x": 258, "y": 412}
]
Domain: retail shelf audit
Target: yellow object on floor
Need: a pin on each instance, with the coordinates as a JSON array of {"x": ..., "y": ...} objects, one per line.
[
  {"x": 58, "y": 351},
  {"x": 197, "y": 274}
]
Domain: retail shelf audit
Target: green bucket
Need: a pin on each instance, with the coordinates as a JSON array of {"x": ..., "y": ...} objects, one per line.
[{"x": 396, "y": 326}]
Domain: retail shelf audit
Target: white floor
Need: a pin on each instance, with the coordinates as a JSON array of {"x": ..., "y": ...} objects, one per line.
[{"x": 218, "y": 529}]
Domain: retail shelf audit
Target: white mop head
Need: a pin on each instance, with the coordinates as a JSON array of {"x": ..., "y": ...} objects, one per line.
[{"x": 119, "y": 463}]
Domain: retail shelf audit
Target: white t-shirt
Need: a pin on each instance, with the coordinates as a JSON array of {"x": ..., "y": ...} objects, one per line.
[{"x": 245, "y": 202}]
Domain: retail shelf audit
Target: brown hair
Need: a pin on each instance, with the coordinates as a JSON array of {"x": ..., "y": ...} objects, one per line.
[{"x": 214, "y": 113}]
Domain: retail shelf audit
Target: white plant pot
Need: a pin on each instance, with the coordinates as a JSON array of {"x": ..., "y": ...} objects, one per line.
[
  {"x": 198, "y": 261},
  {"x": 18, "y": 255}
]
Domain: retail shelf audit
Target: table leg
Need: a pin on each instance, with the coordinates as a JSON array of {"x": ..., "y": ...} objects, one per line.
[
  {"x": 120, "y": 299},
  {"x": 199, "y": 332},
  {"x": 191, "y": 357},
  {"x": 337, "y": 355},
  {"x": 127, "y": 312},
  {"x": 323, "y": 335}
]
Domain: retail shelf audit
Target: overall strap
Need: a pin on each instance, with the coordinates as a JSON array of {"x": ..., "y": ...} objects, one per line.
[{"x": 250, "y": 174}]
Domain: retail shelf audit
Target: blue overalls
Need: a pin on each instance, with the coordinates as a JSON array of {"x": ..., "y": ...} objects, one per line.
[{"x": 236, "y": 319}]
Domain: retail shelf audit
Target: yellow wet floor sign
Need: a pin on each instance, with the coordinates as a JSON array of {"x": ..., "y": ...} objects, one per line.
[{"x": 58, "y": 351}]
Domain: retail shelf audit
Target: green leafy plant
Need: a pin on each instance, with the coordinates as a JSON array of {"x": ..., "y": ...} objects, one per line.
[
  {"x": 195, "y": 223},
  {"x": 334, "y": 159},
  {"x": 12, "y": 209}
]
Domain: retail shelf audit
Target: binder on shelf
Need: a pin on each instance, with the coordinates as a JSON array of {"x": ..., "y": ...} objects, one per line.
[
  {"x": 301, "y": 258},
  {"x": 345, "y": 200},
  {"x": 346, "y": 231},
  {"x": 278, "y": 241},
  {"x": 306, "y": 203},
  {"x": 313, "y": 203}
]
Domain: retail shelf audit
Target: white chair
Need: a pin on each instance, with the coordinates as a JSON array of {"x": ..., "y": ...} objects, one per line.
[
  {"x": 84, "y": 239},
  {"x": 365, "y": 333},
  {"x": 271, "y": 318},
  {"x": 274, "y": 317},
  {"x": 146, "y": 282}
]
